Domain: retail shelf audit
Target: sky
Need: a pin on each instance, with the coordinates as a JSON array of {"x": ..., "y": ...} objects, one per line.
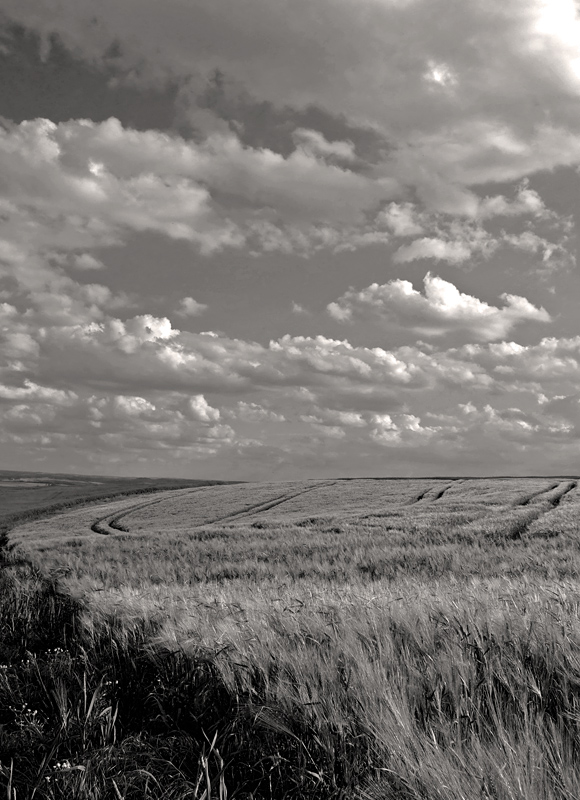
[{"x": 271, "y": 240}]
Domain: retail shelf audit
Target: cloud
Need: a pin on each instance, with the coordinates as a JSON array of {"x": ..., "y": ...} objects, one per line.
[
  {"x": 133, "y": 406},
  {"x": 402, "y": 219},
  {"x": 384, "y": 126},
  {"x": 77, "y": 185},
  {"x": 314, "y": 143},
  {"x": 442, "y": 309},
  {"x": 457, "y": 240},
  {"x": 513, "y": 423},
  {"x": 254, "y": 412},
  {"x": 201, "y": 410},
  {"x": 32, "y": 392},
  {"x": 438, "y": 249},
  {"x": 527, "y": 201},
  {"x": 550, "y": 367},
  {"x": 552, "y": 254},
  {"x": 333, "y": 417},
  {"x": 489, "y": 96},
  {"x": 407, "y": 430},
  {"x": 140, "y": 391},
  {"x": 191, "y": 308},
  {"x": 87, "y": 183},
  {"x": 85, "y": 261}
]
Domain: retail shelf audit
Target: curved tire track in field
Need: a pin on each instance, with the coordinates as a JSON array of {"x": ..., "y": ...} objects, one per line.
[
  {"x": 514, "y": 521},
  {"x": 554, "y": 501},
  {"x": 111, "y": 523},
  {"x": 419, "y": 497},
  {"x": 531, "y": 497},
  {"x": 438, "y": 492},
  {"x": 557, "y": 499},
  {"x": 265, "y": 505}
]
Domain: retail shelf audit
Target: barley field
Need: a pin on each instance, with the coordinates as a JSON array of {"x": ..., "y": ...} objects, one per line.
[{"x": 365, "y": 639}]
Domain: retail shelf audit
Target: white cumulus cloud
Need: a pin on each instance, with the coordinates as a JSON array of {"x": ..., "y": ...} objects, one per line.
[{"x": 441, "y": 309}]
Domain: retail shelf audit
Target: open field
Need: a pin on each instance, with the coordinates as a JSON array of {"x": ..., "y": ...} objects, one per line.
[
  {"x": 30, "y": 494},
  {"x": 362, "y": 639},
  {"x": 329, "y": 532}
]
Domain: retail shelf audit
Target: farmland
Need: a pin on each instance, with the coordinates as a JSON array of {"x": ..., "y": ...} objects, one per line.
[
  {"x": 329, "y": 532},
  {"x": 30, "y": 494},
  {"x": 308, "y": 639}
]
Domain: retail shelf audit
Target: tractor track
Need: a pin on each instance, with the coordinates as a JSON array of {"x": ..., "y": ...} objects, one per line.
[
  {"x": 428, "y": 497},
  {"x": 110, "y": 523},
  {"x": 555, "y": 501},
  {"x": 443, "y": 491},
  {"x": 530, "y": 498},
  {"x": 521, "y": 528},
  {"x": 419, "y": 497},
  {"x": 518, "y": 527},
  {"x": 265, "y": 505}
]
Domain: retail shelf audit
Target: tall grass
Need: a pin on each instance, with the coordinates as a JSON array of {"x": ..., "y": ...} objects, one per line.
[
  {"x": 436, "y": 698},
  {"x": 306, "y": 677}
]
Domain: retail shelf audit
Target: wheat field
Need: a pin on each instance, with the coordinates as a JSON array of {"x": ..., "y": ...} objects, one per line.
[{"x": 364, "y": 639}]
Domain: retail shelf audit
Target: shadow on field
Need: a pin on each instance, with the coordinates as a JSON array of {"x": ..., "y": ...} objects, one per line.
[{"x": 93, "y": 711}]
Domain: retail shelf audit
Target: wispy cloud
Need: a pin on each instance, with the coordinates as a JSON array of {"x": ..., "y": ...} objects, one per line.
[{"x": 188, "y": 307}]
